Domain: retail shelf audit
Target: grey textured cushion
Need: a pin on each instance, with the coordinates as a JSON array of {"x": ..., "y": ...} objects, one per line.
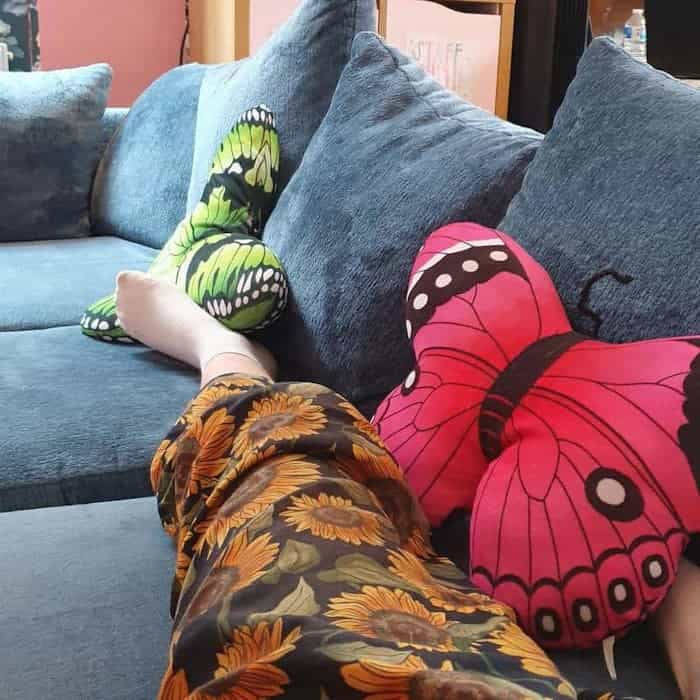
[
  {"x": 140, "y": 190},
  {"x": 49, "y": 283},
  {"x": 396, "y": 157},
  {"x": 294, "y": 73},
  {"x": 84, "y": 417},
  {"x": 50, "y": 137},
  {"x": 85, "y": 598},
  {"x": 615, "y": 185}
]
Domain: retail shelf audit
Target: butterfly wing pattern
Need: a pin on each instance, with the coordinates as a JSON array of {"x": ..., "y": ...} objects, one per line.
[
  {"x": 580, "y": 459},
  {"x": 463, "y": 341}
]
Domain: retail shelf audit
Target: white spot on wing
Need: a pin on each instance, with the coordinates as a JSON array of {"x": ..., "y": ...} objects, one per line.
[
  {"x": 443, "y": 281},
  {"x": 420, "y": 302}
]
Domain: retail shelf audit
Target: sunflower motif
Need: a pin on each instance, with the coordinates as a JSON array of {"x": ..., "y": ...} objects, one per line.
[
  {"x": 368, "y": 461},
  {"x": 334, "y": 518},
  {"x": 235, "y": 469},
  {"x": 202, "y": 452},
  {"x": 403, "y": 511},
  {"x": 275, "y": 478},
  {"x": 240, "y": 565},
  {"x": 183, "y": 561},
  {"x": 384, "y": 681},
  {"x": 280, "y": 416},
  {"x": 308, "y": 390},
  {"x": 418, "y": 545},
  {"x": 394, "y": 616},
  {"x": 164, "y": 455},
  {"x": 174, "y": 685},
  {"x": 361, "y": 424},
  {"x": 246, "y": 666},
  {"x": 185, "y": 452},
  {"x": 512, "y": 641},
  {"x": 215, "y": 436},
  {"x": 218, "y": 390},
  {"x": 408, "y": 567}
]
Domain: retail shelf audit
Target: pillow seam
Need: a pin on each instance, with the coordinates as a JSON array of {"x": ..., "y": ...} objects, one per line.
[{"x": 411, "y": 83}]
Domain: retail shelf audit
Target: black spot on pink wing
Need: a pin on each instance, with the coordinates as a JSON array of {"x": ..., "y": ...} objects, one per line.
[{"x": 614, "y": 495}]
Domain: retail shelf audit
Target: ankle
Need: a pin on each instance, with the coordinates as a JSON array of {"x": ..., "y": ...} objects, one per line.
[{"x": 233, "y": 363}]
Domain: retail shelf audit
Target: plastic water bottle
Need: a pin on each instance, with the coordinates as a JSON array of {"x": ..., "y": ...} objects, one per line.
[{"x": 635, "y": 38}]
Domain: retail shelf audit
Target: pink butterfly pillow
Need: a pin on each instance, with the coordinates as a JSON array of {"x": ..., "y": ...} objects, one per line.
[{"x": 580, "y": 460}]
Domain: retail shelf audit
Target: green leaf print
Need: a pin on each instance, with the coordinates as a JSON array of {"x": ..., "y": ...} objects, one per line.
[
  {"x": 215, "y": 254},
  {"x": 215, "y": 216},
  {"x": 354, "y": 651},
  {"x": 361, "y": 569},
  {"x": 297, "y": 557},
  {"x": 100, "y": 321},
  {"x": 301, "y": 601}
]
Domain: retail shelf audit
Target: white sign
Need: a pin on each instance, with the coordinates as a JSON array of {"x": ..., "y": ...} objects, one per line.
[{"x": 459, "y": 49}]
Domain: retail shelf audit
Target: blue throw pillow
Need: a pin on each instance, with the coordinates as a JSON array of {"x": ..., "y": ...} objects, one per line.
[
  {"x": 615, "y": 186},
  {"x": 396, "y": 157},
  {"x": 294, "y": 74},
  {"x": 50, "y": 131},
  {"x": 141, "y": 185}
]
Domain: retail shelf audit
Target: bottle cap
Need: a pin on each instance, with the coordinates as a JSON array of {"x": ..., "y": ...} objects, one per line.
[{"x": 637, "y": 12}]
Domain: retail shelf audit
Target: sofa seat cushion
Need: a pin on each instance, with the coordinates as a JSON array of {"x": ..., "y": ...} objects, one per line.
[
  {"x": 85, "y": 602},
  {"x": 84, "y": 417},
  {"x": 49, "y": 283},
  {"x": 85, "y": 610}
]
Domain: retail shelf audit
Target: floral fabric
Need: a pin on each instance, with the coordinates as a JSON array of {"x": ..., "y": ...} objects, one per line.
[{"x": 304, "y": 568}]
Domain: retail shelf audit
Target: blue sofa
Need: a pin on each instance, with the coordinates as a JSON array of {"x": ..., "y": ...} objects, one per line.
[
  {"x": 86, "y": 568},
  {"x": 85, "y": 603},
  {"x": 84, "y": 416}
]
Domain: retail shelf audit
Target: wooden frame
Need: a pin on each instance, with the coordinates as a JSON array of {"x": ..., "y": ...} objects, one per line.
[
  {"x": 220, "y": 32},
  {"x": 506, "y": 10}
]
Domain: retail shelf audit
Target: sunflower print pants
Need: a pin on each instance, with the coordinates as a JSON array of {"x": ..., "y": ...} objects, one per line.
[{"x": 304, "y": 568}]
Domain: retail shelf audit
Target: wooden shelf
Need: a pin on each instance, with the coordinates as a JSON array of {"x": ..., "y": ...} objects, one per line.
[{"x": 219, "y": 30}]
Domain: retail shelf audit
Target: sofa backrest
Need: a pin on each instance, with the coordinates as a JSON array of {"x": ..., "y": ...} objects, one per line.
[
  {"x": 140, "y": 190},
  {"x": 111, "y": 121}
]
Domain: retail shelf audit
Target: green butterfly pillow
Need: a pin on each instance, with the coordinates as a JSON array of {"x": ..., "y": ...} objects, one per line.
[{"x": 215, "y": 254}]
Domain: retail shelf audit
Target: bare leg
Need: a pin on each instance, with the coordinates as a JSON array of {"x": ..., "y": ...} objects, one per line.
[
  {"x": 678, "y": 625},
  {"x": 160, "y": 315}
]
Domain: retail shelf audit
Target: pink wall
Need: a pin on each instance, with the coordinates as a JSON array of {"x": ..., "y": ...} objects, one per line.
[{"x": 140, "y": 39}]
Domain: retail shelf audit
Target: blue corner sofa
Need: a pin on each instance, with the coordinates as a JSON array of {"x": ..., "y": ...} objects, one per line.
[
  {"x": 86, "y": 569},
  {"x": 84, "y": 587}
]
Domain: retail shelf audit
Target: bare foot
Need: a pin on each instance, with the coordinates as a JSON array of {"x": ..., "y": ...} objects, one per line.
[
  {"x": 160, "y": 315},
  {"x": 678, "y": 625}
]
